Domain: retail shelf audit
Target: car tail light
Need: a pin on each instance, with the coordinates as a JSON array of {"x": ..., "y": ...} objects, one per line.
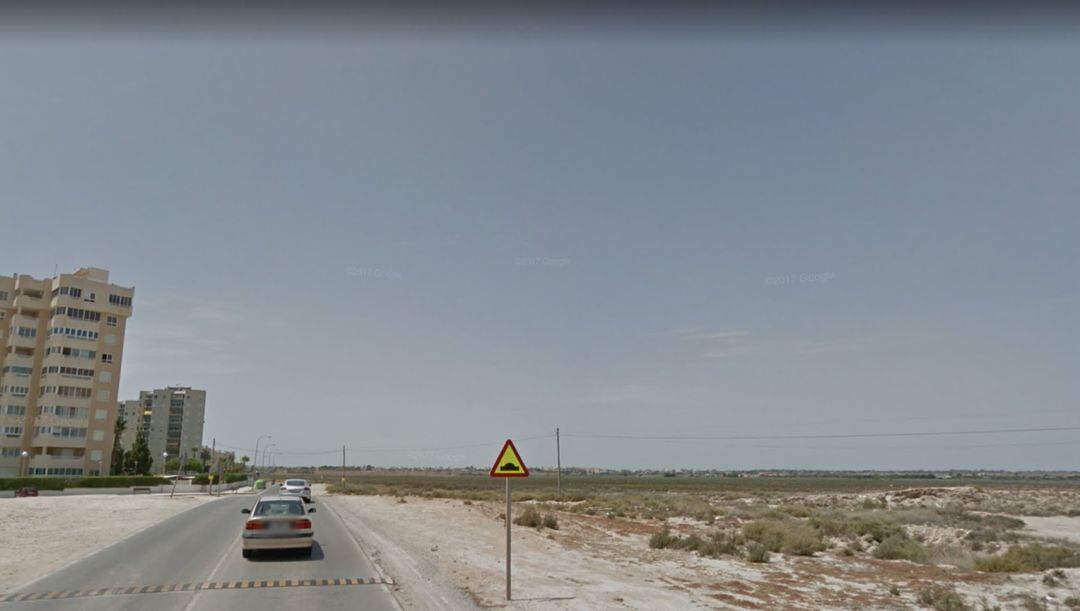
[
  {"x": 301, "y": 524},
  {"x": 253, "y": 525}
]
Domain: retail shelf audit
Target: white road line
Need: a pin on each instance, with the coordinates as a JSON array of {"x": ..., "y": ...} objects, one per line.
[{"x": 213, "y": 573}]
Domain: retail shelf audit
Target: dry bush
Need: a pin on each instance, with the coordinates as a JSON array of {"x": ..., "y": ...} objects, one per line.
[
  {"x": 756, "y": 552},
  {"x": 790, "y": 537},
  {"x": 1030, "y": 558},
  {"x": 901, "y": 547},
  {"x": 942, "y": 598}
]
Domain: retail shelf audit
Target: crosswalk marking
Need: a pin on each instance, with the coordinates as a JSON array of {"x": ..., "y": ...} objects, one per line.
[{"x": 205, "y": 585}]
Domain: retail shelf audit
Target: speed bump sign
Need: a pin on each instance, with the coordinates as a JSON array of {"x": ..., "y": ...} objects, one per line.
[{"x": 509, "y": 463}]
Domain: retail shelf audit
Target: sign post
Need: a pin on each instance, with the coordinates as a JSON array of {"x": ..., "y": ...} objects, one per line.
[{"x": 508, "y": 465}]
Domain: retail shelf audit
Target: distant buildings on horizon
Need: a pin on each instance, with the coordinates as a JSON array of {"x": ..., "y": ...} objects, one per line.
[{"x": 61, "y": 351}]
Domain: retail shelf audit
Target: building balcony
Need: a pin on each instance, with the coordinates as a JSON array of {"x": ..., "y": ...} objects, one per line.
[
  {"x": 18, "y": 359},
  {"x": 19, "y": 341},
  {"x": 24, "y": 302},
  {"x": 52, "y": 441}
]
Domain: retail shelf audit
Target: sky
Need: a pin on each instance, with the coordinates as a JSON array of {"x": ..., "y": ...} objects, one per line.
[{"x": 418, "y": 246}]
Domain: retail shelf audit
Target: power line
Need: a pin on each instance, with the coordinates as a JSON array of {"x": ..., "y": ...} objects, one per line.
[
  {"x": 376, "y": 449},
  {"x": 822, "y": 436}
]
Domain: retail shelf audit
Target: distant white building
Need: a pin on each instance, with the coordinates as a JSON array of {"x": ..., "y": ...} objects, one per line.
[{"x": 172, "y": 418}]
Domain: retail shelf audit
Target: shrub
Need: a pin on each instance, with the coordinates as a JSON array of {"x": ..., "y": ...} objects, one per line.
[
  {"x": 877, "y": 529},
  {"x": 1030, "y": 558},
  {"x": 900, "y": 547},
  {"x": 1053, "y": 578},
  {"x": 720, "y": 543},
  {"x": 550, "y": 521},
  {"x": 756, "y": 552},
  {"x": 1073, "y": 602},
  {"x": 831, "y": 524},
  {"x": 798, "y": 511},
  {"x": 61, "y": 483},
  {"x": 789, "y": 537},
  {"x": 662, "y": 539},
  {"x": 941, "y": 598}
]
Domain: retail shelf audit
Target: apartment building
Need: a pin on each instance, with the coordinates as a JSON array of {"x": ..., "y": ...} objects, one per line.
[
  {"x": 172, "y": 418},
  {"x": 61, "y": 347}
]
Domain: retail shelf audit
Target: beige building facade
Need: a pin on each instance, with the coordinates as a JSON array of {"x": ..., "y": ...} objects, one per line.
[
  {"x": 61, "y": 348},
  {"x": 172, "y": 418}
]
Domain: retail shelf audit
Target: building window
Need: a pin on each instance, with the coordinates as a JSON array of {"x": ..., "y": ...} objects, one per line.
[
  {"x": 100, "y": 414},
  {"x": 15, "y": 410},
  {"x": 105, "y": 377},
  {"x": 79, "y": 314},
  {"x": 62, "y": 431},
  {"x": 76, "y": 333},
  {"x": 15, "y": 391},
  {"x": 3, "y": 295},
  {"x": 106, "y": 358},
  {"x": 119, "y": 300},
  {"x": 98, "y": 436},
  {"x": 110, "y": 339},
  {"x": 13, "y": 431},
  {"x": 91, "y": 297},
  {"x": 95, "y": 454},
  {"x": 73, "y": 352},
  {"x": 110, "y": 320},
  {"x": 26, "y": 331},
  {"x": 22, "y": 372},
  {"x": 67, "y": 290},
  {"x": 10, "y": 452},
  {"x": 103, "y": 396}
]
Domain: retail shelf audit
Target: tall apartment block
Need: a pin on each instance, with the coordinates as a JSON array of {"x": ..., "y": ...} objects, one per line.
[
  {"x": 171, "y": 417},
  {"x": 61, "y": 346}
]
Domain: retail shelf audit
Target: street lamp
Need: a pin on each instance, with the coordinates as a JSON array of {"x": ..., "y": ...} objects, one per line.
[
  {"x": 164, "y": 459},
  {"x": 266, "y": 450},
  {"x": 255, "y": 465},
  {"x": 25, "y": 462}
]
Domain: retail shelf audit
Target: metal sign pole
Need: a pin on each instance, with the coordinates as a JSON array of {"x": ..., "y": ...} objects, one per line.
[{"x": 508, "y": 538}]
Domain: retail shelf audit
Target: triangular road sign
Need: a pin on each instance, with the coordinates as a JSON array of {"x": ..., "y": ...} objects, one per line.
[{"x": 509, "y": 463}]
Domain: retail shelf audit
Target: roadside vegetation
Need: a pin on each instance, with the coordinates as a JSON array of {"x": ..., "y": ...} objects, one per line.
[{"x": 756, "y": 518}]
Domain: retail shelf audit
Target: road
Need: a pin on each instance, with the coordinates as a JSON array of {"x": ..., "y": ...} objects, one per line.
[{"x": 197, "y": 554}]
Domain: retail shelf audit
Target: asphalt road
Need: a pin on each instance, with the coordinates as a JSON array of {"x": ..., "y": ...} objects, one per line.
[{"x": 200, "y": 548}]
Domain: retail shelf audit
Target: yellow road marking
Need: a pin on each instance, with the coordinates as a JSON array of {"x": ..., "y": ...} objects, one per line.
[{"x": 188, "y": 587}]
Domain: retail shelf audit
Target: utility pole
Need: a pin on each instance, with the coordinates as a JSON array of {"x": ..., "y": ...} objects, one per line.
[
  {"x": 558, "y": 465},
  {"x": 507, "y": 538},
  {"x": 343, "y": 465}
]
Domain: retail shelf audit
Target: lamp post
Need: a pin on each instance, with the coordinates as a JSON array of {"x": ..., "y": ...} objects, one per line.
[
  {"x": 255, "y": 465},
  {"x": 266, "y": 450},
  {"x": 25, "y": 463},
  {"x": 164, "y": 459}
]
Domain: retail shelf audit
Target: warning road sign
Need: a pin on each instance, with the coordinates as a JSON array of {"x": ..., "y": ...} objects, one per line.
[{"x": 509, "y": 463}]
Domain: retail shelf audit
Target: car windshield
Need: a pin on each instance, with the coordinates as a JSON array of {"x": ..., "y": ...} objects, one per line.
[
  {"x": 295, "y": 482},
  {"x": 278, "y": 508}
]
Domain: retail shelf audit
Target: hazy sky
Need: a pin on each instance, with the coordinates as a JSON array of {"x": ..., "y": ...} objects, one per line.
[{"x": 407, "y": 245}]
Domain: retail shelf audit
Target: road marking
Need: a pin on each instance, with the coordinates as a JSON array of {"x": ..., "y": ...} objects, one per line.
[{"x": 184, "y": 587}]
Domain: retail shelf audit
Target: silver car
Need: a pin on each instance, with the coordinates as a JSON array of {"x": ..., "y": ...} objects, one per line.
[
  {"x": 299, "y": 487},
  {"x": 278, "y": 522}
]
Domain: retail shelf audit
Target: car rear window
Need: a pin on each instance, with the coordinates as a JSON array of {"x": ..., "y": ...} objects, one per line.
[
  {"x": 279, "y": 508},
  {"x": 295, "y": 482}
]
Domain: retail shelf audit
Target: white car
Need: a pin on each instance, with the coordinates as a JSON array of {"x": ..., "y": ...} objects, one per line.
[
  {"x": 278, "y": 522},
  {"x": 298, "y": 487}
]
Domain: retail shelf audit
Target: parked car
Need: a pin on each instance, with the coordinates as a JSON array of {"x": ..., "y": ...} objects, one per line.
[
  {"x": 25, "y": 492},
  {"x": 278, "y": 523},
  {"x": 299, "y": 487}
]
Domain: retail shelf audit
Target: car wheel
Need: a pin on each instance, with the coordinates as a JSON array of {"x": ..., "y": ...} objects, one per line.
[{"x": 246, "y": 553}]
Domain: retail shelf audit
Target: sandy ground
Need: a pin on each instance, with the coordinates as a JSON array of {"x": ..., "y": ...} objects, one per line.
[
  {"x": 438, "y": 548},
  {"x": 43, "y": 534},
  {"x": 1055, "y": 527}
]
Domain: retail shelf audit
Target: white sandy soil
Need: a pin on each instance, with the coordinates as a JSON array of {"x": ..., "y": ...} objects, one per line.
[
  {"x": 39, "y": 534},
  {"x": 435, "y": 549}
]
